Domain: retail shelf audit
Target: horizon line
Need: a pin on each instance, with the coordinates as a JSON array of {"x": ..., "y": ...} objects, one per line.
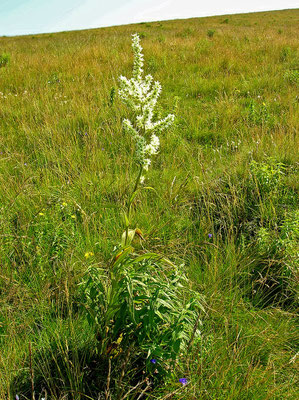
[{"x": 148, "y": 21}]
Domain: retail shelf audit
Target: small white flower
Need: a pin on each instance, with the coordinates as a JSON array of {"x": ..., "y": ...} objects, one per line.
[{"x": 146, "y": 164}]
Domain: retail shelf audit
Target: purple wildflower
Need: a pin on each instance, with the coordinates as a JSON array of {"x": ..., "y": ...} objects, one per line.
[
  {"x": 153, "y": 361},
  {"x": 183, "y": 381},
  {"x": 210, "y": 235}
]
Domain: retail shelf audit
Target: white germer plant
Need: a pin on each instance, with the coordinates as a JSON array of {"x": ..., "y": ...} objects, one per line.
[
  {"x": 141, "y": 95},
  {"x": 142, "y": 307}
]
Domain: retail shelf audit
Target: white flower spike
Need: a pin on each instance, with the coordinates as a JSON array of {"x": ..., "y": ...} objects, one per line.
[{"x": 141, "y": 95}]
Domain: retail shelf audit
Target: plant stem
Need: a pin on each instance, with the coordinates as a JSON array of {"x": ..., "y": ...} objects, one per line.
[
  {"x": 138, "y": 179},
  {"x": 31, "y": 372},
  {"x": 130, "y": 201},
  {"x": 107, "y": 393}
]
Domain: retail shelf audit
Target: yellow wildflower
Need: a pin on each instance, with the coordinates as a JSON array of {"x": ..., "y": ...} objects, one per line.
[{"x": 88, "y": 254}]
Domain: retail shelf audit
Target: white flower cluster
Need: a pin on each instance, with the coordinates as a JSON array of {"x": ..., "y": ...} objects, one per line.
[{"x": 141, "y": 95}]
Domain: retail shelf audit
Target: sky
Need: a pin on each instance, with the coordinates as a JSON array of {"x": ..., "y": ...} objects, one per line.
[{"x": 21, "y": 17}]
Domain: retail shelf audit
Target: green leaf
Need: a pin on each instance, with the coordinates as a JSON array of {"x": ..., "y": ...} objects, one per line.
[
  {"x": 122, "y": 255},
  {"x": 127, "y": 222},
  {"x": 133, "y": 197}
]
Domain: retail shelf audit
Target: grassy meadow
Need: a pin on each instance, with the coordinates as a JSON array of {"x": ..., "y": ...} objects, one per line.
[{"x": 225, "y": 202}]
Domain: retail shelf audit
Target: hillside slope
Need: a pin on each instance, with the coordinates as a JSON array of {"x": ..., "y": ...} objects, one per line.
[{"x": 226, "y": 200}]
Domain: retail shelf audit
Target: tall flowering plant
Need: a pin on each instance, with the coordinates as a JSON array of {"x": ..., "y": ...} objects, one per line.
[
  {"x": 141, "y": 94},
  {"x": 142, "y": 306}
]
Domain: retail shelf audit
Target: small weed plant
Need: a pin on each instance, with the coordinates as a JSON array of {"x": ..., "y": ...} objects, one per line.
[
  {"x": 275, "y": 276},
  {"x": 4, "y": 60}
]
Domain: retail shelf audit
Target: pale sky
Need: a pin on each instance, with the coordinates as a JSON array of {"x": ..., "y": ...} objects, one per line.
[{"x": 19, "y": 17}]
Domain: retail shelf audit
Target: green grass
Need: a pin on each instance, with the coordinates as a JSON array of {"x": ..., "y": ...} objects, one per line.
[{"x": 229, "y": 167}]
